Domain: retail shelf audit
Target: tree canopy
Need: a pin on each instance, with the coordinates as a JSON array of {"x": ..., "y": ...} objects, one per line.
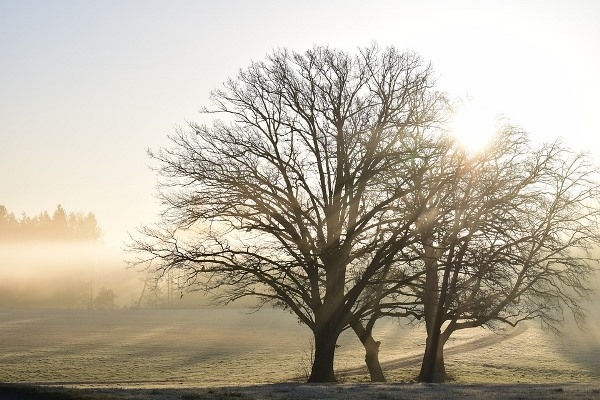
[
  {"x": 514, "y": 243},
  {"x": 326, "y": 184},
  {"x": 301, "y": 193}
]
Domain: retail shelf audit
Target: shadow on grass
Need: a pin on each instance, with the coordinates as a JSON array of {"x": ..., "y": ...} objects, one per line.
[
  {"x": 24, "y": 392},
  {"x": 291, "y": 391},
  {"x": 29, "y": 392}
]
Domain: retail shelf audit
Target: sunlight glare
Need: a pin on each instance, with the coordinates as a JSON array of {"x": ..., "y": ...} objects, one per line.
[{"x": 473, "y": 126}]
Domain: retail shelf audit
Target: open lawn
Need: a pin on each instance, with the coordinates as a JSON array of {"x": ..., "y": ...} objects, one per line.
[{"x": 229, "y": 354}]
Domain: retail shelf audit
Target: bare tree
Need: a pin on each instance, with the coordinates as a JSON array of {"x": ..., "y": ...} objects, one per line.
[
  {"x": 299, "y": 194},
  {"x": 392, "y": 291},
  {"x": 513, "y": 243}
]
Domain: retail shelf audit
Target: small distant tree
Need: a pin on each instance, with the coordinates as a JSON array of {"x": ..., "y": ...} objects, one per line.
[
  {"x": 41, "y": 227},
  {"x": 8, "y": 223},
  {"x": 104, "y": 300},
  {"x": 59, "y": 225},
  {"x": 84, "y": 227},
  {"x": 91, "y": 230},
  {"x": 5, "y": 217}
]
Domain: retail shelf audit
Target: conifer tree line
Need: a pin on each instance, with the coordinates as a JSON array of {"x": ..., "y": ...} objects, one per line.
[
  {"x": 60, "y": 226},
  {"x": 328, "y": 184}
]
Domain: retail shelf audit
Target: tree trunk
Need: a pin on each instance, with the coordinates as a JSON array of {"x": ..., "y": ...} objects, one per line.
[
  {"x": 431, "y": 312},
  {"x": 433, "y": 368},
  {"x": 322, "y": 368},
  {"x": 427, "y": 373},
  {"x": 371, "y": 352},
  {"x": 328, "y": 317},
  {"x": 440, "y": 367}
]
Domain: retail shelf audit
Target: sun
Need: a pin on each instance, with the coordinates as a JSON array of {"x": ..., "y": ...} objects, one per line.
[{"x": 473, "y": 126}]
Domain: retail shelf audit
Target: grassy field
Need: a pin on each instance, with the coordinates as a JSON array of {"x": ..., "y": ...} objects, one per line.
[{"x": 219, "y": 348}]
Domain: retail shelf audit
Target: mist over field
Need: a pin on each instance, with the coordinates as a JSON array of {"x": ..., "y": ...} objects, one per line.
[
  {"x": 51, "y": 334},
  {"x": 65, "y": 275},
  {"x": 61, "y": 275},
  {"x": 69, "y": 275}
]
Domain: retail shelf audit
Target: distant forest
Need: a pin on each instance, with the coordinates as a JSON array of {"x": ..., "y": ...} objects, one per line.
[{"x": 61, "y": 226}]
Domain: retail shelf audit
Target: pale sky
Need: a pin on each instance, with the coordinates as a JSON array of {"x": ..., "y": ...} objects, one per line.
[{"x": 87, "y": 86}]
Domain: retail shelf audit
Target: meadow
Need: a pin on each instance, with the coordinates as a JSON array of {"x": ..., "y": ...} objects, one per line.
[{"x": 225, "y": 347}]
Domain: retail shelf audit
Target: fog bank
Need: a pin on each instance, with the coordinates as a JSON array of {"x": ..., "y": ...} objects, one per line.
[{"x": 63, "y": 275}]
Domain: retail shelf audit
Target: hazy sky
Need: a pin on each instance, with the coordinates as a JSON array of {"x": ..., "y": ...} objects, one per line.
[{"x": 87, "y": 86}]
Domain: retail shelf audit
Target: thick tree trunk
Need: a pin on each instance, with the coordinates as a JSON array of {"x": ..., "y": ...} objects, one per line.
[
  {"x": 329, "y": 319},
  {"x": 322, "y": 368},
  {"x": 371, "y": 352},
  {"x": 433, "y": 368},
  {"x": 431, "y": 312},
  {"x": 427, "y": 373}
]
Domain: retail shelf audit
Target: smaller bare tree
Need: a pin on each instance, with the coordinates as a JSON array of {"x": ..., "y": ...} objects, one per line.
[{"x": 514, "y": 243}]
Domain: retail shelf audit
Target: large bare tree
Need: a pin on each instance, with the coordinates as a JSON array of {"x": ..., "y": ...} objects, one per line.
[{"x": 301, "y": 191}]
